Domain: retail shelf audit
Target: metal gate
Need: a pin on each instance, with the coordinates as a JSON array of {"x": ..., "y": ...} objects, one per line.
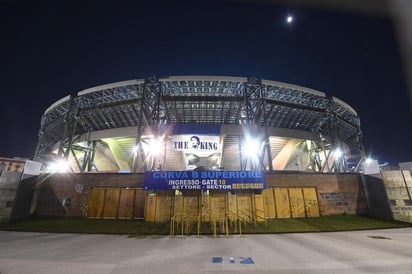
[{"x": 116, "y": 203}]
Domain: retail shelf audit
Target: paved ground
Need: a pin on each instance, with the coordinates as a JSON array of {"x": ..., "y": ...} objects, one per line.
[{"x": 374, "y": 251}]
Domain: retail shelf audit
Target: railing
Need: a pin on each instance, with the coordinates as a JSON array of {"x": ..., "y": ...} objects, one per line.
[
  {"x": 185, "y": 221},
  {"x": 233, "y": 219},
  {"x": 249, "y": 215},
  {"x": 261, "y": 214},
  {"x": 240, "y": 220},
  {"x": 175, "y": 220},
  {"x": 223, "y": 221}
]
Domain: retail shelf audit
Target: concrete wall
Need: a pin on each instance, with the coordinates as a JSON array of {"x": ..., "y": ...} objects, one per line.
[
  {"x": 24, "y": 198},
  {"x": 378, "y": 202},
  {"x": 67, "y": 194},
  {"x": 9, "y": 181},
  {"x": 18, "y": 179},
  {"x": 398, "y": 185}
]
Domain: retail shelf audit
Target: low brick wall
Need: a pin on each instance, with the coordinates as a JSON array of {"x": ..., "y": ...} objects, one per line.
[
  {"x": 67, "y": 194},
  {"x": 337, "y": 193}
]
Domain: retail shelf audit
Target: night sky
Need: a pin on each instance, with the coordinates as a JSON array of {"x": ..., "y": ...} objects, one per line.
[{"x": 50, "y": 50}]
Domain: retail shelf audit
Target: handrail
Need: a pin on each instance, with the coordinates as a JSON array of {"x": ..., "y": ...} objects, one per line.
[
  {"x": 231, "y": 214},
  {"x": 264, "y": 215},
  {"x": 185, "y": 220},
  {"x": 245, "y": 216},
  {"x": 249, "y": 213},
  {"x": 232, "y": 218},
  {"x": 199, "y": 220},
  {"x": 221, "y": 217},
  {"x": 240, "y": 219},
  {"x": 172, "y": 227},
  {"x": 173, "y": 220}
]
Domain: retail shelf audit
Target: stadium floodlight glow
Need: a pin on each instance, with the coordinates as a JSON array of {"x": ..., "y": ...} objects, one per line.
[
  {"x": 59, "y": 166},
  {"x": 156, "y": 146},
  {"x": 338, "y": 153},
  {"x": 251, "y": 148},
  {"x": 368, "y": 160},
  {"x": 135, "y": 149}
]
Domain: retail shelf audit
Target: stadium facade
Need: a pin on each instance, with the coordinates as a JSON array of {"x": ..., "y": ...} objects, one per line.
[
  {"x": 193, "y": 149},
  {"x": 201, "y": 122}
]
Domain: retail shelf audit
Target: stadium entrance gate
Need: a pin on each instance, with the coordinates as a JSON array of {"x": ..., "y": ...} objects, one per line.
[
  {"x": 117, "y": 203},
  {"x": 202, "y": 206}
]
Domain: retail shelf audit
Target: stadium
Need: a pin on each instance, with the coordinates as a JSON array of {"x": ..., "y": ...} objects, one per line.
[
  {"x": 238, "y": 123},
  {"x": 199, "y": 149}
]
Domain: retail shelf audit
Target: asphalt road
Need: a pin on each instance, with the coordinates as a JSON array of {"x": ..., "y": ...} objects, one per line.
[{"x": 372, "y": 251}]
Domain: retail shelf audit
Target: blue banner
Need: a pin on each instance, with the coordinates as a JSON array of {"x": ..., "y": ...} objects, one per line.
[
  {"x": 205, "y": 180},
  {"x": 201, "y": 129}
]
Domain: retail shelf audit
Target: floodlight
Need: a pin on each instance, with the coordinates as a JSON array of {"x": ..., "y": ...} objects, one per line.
[
  {"x": 59, "y": 166},
  {"x": 368, "y": 160},
  {"x": 338, "y": 153},
  {"x": 156, "y": 146},
  {"x": 251, "y": 148}
]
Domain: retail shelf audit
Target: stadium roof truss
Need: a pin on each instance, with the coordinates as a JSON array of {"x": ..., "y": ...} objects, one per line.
[{"x": 155, "y": 103}]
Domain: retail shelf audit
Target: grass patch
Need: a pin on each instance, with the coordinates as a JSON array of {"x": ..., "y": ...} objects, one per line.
[
  {"x": 324, "y": 224},
  {"x": 81, "y": 225},
  {"x": 141, "y": 229}
]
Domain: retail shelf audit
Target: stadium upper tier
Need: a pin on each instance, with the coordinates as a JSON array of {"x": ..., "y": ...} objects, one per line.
[{"x": 128, "y": 108}]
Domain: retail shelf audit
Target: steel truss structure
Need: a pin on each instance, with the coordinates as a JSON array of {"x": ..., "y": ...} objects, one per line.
[{"x": 70, "y": 127}]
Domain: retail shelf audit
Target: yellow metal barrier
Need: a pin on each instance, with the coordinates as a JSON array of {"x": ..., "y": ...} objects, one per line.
[
  {"x": 251, "y": 215},
  {"x": 233, "y": 219},
  {"x": 223, "y": 222},
  {"x": 261, "y": 215},
  {"x": 199, "y": 220},
  {"x": 240, "y": 225},
  {"x": 174, "y": 221},
  {"x": 172, "y": 227},
  {"x": 185, "y": 222}
]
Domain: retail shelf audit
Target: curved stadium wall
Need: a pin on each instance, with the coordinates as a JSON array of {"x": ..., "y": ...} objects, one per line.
[{"x": 201, "y": 123}]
